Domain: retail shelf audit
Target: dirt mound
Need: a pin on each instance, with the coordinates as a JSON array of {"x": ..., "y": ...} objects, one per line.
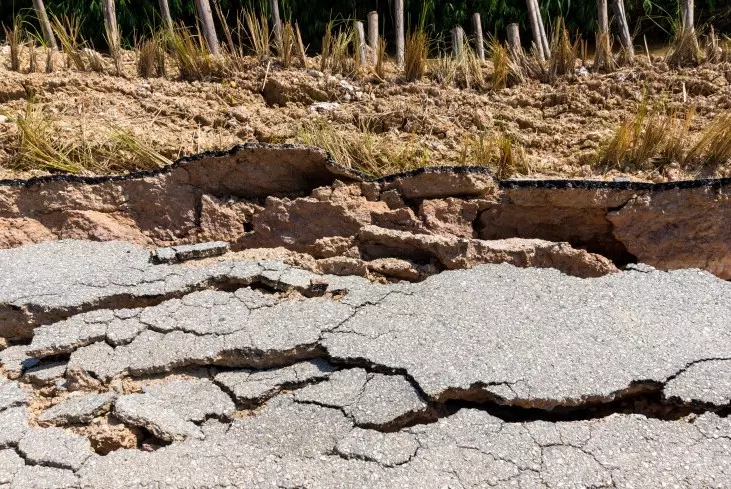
[{"x": 406, "y": 226}]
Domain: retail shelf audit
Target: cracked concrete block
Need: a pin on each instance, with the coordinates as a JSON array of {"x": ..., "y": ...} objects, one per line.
[
  {"x": 388, "y": 449},
  {"x": 78, "y": 409},
  {"x": 13, "y": 425},
  {"x": 12, "y": 395},
  {"x": 704, "y": 382},
  {"x": 155, "y": 416},
  {"x": 54, "y": 447},
  {"x": 16, "y": 359},
  {"x": 288, "y": 428},
  {"x": 193, "y": 399},
  {"x": 251, "y": 387},
  {"x": 10, "y": 464},
  {"x": 38, "y": 477},
  {"x": 174, "y": 254},
  {"x": 46, "y": 374},
  {"x": 370, "y": 399},
  {"x": 570, "y": 467},
  {"x": 68, "y": 335}
]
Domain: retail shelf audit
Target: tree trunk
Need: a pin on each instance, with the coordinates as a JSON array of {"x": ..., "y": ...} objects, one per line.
[
  {"x": 457, "y": 41},
  {"x": 362, "y": 48},
  {"x": 45, "y": 24},
  {"x": 205, "y": 15},
  {"x": 688, "y": 14},
  {"x": 110, "y": 20},
  {"x": 537, "y": 41},
  {"x": 624, "y": 35},
  {"x": 373, "y": 34},
  {"x": 603, "y": 16},
  {"x": 399, "y": 19},
  {"x": 542, "y": 27},
  {"x": 274, "y": 4},
  {"x": 167, "y": 19},
  {"x": 479, "y": 41},
  {"x": 516, "y": 50}
]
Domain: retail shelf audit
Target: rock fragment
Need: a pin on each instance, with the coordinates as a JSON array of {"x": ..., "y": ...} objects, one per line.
[
  {"x": 13, "y": 425},
  {"x": 54, "y": 447},
  {"x": 370, "y": 399},
  {"x": 16, "y": 359},
  {"x": 78, "y": 409},
  {"x": 388, "y": 449},
  {"x": 707, "y": 382},
  {"x": 176, "y": 254},
  {"x": 252, "y": 387},
  {"x": 193, "y": 399},
  {"x": 155, "y": 416},
  {"x": 46, "y": 374}
]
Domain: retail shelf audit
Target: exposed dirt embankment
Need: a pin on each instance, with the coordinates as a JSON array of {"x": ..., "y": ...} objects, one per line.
[{"x": 406, "y": 226}]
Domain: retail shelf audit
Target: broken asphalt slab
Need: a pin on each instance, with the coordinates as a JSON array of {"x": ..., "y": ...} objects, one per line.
[{"x": 495, "y": 376}]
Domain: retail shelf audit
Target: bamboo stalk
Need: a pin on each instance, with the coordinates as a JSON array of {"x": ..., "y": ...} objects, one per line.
[
  {"x": 479, "y": 41},
  {"x": 400, "y": 35},
  {"x": 516, "y": 49},
  {"x": 373, "y": 34},
  {"x": 532, "y": 14},
  {"x": 457, "y": 41},
  {"x": 624, "y": 35},
  {"x": 48, "y": 36},
  {"x": 205, "y": 15},
  {"x": 167, "y": 19},
  {"x": 274, "y": 4}
]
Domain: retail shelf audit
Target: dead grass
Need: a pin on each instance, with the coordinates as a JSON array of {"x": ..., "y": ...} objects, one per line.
[
  {"x": 285, "y": 51},
  {"x": 500, "y": 154},
  {"x": 416, "y": 53},
  {"x": 195, "y": 62},
  {"x": 151, "y": 56},
  {"x": 684, "y": 48},
  {"x": 380, "y": 58},
  {"x": 67, "y": 30},
  {"x": 652, "y": 139},
  {"x": 564, "y": 53},
  {"x": 603, "y": 58},
  {"x": 336, "y": 54},
  {"x": 42, "y": 146},
  {"x": 14, "y": 38},
  {"x": 365, "y": 150},
  {"x": 257, "y": 30},
  {"x": 506, "y": 68}
]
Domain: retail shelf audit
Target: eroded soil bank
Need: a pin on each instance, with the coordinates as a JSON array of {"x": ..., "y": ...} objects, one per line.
[{"x": 404, "y": 226}]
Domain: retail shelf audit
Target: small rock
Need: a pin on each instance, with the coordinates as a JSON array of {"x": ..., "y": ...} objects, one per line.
[
  {"x": 174, "y": 254},
  {"x": 155, "y": 416},
  {"x": 80, "y": 409},
  {"x": 55, "y": 447},
  {"x": 323, "y": 106},
  {"x": 46, "y": 374}
]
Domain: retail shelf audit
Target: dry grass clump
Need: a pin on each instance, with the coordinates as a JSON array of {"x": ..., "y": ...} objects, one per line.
[
  {"x": 603, "y": 58},
  {"x": 195, "y": 61},
  {"x": 151, "y": 56},
  {"x": 652, "y": 139},
  {"x": 463, "y": 70},
  {"x": 336, "y": 56},
  {"x": 365, "y": 150},
  {"x": 684, "y": 48},
  {"x": 42, "y": 146},
  {"x": 14, "y": 38},
  {"x": 500, "y": 154},
  {"x": 285, "y": 49},
  {"x": 506, "y": 65},
  {"x": 257, "y": 30},
  {"x": 67, "y": 30},
  {"x": 380, "y": 58},
  {"x": 416, "y": 54},
  {"x": 564, "y": 53}
]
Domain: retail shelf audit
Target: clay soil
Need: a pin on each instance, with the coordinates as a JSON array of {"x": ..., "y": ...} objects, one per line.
[{"x": 557, "y": 128}]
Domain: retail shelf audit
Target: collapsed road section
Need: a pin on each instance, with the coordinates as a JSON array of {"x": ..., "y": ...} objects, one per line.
[
  {"x": 121, "y": 371},
  {"x": 406, "y": 226}
]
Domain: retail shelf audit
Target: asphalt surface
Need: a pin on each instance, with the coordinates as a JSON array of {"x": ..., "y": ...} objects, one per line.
[{"x": 254, "y": 374}]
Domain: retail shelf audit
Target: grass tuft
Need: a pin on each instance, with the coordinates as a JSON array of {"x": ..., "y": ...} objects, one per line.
[
  {"x": 257, "y": 30},
  {"x": 67, "y": 30},
  {"x": 416, "y": 53}
]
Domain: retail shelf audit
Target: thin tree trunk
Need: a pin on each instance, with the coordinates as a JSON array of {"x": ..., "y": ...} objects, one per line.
[
  {"x": 110, "y": 19},
  {"x": 362, "y": 48},
  {"x": 45, "y": 24},
  {"x": 399, "y": 14},
  {"x": 603, "y": 16},
  {"x": 205, "y": 15},
  {"x": 167, "y": 19},
  {"x": 688, "y": 14},
  {"x": 479, "y": 41},
  {"x": 458, "y": 41},
  {"x": 274, "y": 4},
  {"x": 624, "y": 35},
  {"x": 373, "y": 34},
  {"x": 516, "y": 50},
  {"x": 537, "y": 41},
  {"x": 542, "y": 27}
]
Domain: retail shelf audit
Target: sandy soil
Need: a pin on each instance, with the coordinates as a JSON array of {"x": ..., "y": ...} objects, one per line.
[{"x": 559, "y": 127}]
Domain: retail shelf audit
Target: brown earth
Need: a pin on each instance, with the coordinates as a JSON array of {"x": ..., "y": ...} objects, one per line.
[
  {"x": 405, "y": 226},
  {"x": 558, "y": 126}
]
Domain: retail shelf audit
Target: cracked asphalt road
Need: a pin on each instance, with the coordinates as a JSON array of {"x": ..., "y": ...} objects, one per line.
[{"x": 118, "y": 372}]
